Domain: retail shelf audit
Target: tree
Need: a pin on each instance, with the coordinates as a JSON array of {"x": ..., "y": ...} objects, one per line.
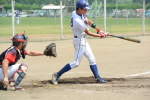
[
  {"x": 2, "y": 2},
  {"x": 147, "y": 3},
  {"x": 141, "y": 1},
  {"x": 8, "y": 1},
  {"x": 7, "y": 7}
]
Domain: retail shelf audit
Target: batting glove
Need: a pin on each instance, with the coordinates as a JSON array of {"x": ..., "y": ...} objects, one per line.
[
  {"x": 99, "y": 31},
  {"x": 102, "y": 34}
]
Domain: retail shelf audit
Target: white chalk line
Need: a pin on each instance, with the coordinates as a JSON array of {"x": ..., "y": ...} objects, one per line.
[
  {"x": 137, "y": 74},
  {"x": 89, "y": 91}
]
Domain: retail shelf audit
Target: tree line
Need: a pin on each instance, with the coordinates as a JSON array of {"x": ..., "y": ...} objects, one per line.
[
  {"x": 56, "y": 2},
  {"x": 37, "y": 4}
]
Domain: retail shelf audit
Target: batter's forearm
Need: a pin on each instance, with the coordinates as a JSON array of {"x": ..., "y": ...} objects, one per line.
[
  {"x": 91, "y": 34},
  {"x": 94, "y": 35}
]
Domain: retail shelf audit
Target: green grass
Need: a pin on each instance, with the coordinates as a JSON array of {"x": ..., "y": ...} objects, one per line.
[{"x": 47, "y": 25}]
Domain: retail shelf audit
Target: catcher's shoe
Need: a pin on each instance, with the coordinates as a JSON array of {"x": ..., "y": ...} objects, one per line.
[
  {"x": 2, "y": 87},
  {"x": 55, "y": 78},
  {"x": 14, "y": 88},
  {"x": 101, "y": 80},
  {"x": 9, "y": 87}
]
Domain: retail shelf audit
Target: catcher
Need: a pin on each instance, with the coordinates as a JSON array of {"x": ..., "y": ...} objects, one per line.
[{"x": 11, "y": 74}]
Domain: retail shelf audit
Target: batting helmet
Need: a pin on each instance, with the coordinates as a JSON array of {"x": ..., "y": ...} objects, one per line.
[
  {"x": 83, "y": 4},
  {"x": 19, "y": 38}
]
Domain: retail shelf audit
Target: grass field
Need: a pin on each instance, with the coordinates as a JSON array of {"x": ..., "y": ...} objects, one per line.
[
  {"x": 124, "y": 64},
  {"x": 47, "y": 25}
]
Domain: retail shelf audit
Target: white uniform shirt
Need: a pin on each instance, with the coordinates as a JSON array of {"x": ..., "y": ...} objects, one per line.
[{"x": 78, "y": 25}]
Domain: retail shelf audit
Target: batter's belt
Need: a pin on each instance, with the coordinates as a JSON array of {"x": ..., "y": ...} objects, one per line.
[{"x": 79, "y": 37}]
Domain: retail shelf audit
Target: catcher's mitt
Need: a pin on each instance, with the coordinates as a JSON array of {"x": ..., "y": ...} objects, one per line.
[{"x": 50, "y": 50}]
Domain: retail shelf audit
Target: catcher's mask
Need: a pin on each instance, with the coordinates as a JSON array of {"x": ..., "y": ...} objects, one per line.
[{"x": 18, "y": 38}]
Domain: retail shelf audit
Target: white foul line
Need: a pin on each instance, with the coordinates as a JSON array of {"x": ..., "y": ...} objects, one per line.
[{"x": 137, "y": 74}]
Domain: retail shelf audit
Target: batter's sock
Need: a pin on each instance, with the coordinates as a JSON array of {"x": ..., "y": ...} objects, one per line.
[
  {"x": 95, "y": 71},
  {"x": 64, "y": 69}
]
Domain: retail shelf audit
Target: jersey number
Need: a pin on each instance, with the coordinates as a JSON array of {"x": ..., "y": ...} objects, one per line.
[{"x": 71, "y": 22}]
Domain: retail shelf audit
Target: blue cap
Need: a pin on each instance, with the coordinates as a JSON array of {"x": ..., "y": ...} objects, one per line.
[{"x": 83, "y": 4}]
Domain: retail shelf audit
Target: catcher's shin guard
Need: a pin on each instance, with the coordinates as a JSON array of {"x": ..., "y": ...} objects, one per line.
[{"x": 18, "y": 75}]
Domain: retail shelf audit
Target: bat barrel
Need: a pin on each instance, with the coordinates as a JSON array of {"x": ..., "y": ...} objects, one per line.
[
  {"x": 133, "y": 40},
  {"x": 125, "y": 38}
]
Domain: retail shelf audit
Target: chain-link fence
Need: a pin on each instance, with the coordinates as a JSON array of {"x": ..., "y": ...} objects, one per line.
[{"x": 122, "y": 18}]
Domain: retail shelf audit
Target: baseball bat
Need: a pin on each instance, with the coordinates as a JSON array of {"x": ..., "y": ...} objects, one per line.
[{"x": 125, "y": 38}]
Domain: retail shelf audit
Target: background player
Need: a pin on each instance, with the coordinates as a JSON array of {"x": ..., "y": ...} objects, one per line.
[
  {"x": 80, "y": 27},
  {"x": 17, "y": 17},
  {"x": 10, "y": 72}
]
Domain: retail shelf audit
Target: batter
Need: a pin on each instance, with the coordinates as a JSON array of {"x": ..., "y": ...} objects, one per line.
[{"x": 80, "y": 25}]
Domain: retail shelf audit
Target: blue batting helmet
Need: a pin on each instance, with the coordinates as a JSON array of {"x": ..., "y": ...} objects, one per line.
[{"x": 83, "y": 4}]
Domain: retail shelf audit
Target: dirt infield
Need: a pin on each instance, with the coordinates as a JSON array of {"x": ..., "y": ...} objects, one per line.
[{"x": 125, "y": 65}]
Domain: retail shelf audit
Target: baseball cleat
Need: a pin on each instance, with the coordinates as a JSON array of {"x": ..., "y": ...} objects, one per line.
[
  {"x": 2, "y": 87},
  {"x": 14, "y": 88},
  {"x": 55, "y": 78},
  {"x": 101, "y": 80}
]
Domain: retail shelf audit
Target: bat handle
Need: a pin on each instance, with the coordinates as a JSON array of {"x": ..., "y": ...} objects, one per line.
[{"x": 109, "y": 34}]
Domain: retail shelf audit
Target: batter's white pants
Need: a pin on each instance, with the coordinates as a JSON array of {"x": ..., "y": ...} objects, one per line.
[
  {"x": 11, "y": 70},
  {"x": 82, "y": 48}
]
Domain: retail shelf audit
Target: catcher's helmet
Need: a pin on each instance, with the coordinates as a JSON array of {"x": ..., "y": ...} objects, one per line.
[
  {"x": 19, "y": 38},
  {"x": 83, "y": 4}
]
